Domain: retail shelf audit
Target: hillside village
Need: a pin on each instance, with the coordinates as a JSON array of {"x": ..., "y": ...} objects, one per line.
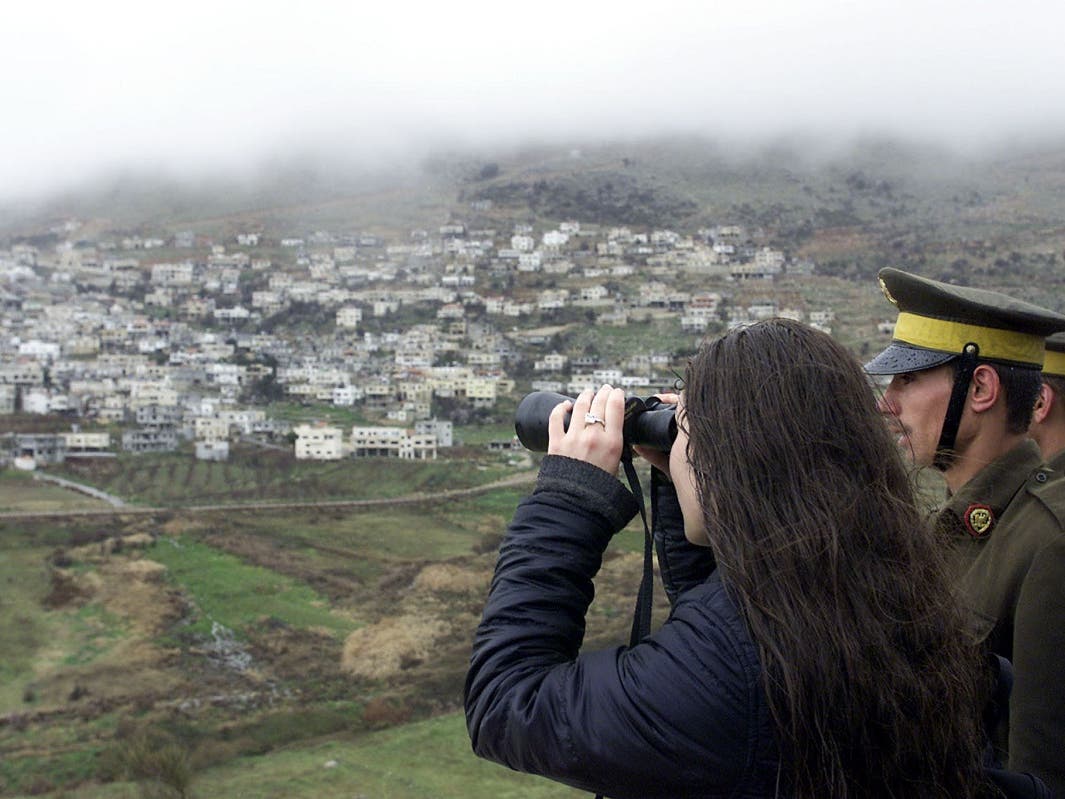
[{"x": 150, "y": 342}]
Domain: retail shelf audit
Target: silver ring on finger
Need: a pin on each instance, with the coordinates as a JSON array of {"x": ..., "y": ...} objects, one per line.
[{"x": 591, "y": 418}]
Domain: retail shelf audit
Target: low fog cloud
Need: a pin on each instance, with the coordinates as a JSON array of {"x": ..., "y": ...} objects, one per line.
[{"x": 198, "y": 87}]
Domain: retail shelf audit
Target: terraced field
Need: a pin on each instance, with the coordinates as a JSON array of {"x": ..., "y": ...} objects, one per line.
[{"x": 257, "y": 648}]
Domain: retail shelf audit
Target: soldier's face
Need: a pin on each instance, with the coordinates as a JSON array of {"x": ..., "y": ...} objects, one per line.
[{"x": 914, "y": 405}]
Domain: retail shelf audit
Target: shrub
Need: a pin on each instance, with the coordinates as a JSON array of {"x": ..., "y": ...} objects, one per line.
[
  {"x": 61, "y": 559},
  {"x": 161, "y": 766},
  {"x": 380, "y": 712},
  {"x": 40, "y": 786}
]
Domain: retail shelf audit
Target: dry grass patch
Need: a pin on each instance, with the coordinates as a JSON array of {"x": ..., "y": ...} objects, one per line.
[
  {"x": 70, "y": 589},
  {"x": 136, "y": 591},
  {"x": 392, "y": 645},
  {"x": 102, "y": 550},
  {"x": 178, "y": 526},
  {"x": 147, "y": 571},
  {"x": 449, "y": 578}
]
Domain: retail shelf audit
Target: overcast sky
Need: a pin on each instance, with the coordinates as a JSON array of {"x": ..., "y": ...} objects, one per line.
[{"x": 196, "y": 86}]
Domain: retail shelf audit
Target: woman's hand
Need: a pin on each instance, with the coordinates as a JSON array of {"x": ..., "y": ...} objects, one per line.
[{"x": 595, "y": 428}]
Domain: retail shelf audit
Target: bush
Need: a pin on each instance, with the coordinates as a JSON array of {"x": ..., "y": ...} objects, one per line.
[
  {"x": 40, "y": 786},
  {"x": 161, "y": 766},
  {"x": 65, "y": 589},
  {"x": 380, "y": 713},
  {"x": 61, "y": 559}
]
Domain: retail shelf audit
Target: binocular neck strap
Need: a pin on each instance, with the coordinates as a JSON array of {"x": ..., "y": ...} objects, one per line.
[{"x": 641, "y": 622}]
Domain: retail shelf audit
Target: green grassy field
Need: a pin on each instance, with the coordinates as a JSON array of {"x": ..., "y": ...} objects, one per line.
[
  {"x": 292, "y": 585},
  {"x": 177, "y": 479},
  {"x": 38, "y": 641},
  {"x": 416, "y": 761},
  {"x": 19, "y": 492},
  {"x": 63, "y": 754},
  {"x": 25, "y": 625},
  {"x": 425, "y": 760},
  {"x": 238, "y": 595},
  {"x": 389, "y": 533}
]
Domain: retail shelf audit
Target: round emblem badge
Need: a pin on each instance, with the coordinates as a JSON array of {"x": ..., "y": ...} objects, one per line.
[{"x": 979, "y": 520}]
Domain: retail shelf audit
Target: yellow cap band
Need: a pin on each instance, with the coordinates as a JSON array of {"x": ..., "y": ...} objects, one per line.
[
  {"x": 944, "y": 336},
  {"x": 1054, "y": 363}
]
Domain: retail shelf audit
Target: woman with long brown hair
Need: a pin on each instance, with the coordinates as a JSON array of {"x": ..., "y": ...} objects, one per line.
[{"x": 813, "y": 648}]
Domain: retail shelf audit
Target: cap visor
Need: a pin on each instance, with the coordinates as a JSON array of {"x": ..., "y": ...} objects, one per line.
[{"x": 899, "y": 358}]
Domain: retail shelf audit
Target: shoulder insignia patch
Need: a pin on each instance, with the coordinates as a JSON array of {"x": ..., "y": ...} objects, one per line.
[{"x": 979, "y": 519}]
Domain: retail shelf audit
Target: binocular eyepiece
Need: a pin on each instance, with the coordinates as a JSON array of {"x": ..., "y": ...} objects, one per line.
[{"x": 648, "y": 423}]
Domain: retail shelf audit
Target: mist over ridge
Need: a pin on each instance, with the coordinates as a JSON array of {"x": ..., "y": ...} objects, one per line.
[
  {"x": 425, "y": 187},
  {"x": 231, "y": 92}
]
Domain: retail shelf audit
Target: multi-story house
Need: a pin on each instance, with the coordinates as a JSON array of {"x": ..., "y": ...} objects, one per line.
[
  {"x": 156, "y": 439},
  {"x": 552, "y": 362},
  {"x": 318, "y": 442},
  {"x": 210, "y": 428},
  {"x": 173, "y": 274},
  {"x": 393, "y": 442},
  {"x": 79, "y": 442}
]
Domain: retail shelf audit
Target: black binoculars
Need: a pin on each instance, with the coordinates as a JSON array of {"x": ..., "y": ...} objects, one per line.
[{"x": 649, "y": 422}]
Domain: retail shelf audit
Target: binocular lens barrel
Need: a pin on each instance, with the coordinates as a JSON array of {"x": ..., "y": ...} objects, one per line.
[{"x": 648, "y": 423}]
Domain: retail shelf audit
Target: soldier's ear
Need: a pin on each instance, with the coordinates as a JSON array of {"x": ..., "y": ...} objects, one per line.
[
  {"x": 985, "y": 388},
  {"x": 1043, "y": 403}
]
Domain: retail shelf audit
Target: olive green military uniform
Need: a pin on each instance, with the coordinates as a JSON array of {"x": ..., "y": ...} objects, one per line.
[
  {"x": 1057, "y": 463},
  {"x": 1008, "y": 525}
]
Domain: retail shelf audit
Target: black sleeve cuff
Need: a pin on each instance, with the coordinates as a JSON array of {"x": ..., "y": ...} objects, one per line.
[{"x": 591, "y": 486}]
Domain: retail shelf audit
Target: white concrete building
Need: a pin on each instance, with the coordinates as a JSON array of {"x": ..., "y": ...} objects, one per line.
[
  {"x": 212, "y": 450},
  {"x": 530, "y": 261},
  {"x": 392, "y": 442},
  {"x": 28, "y": 373},
  {"x": 552, "y": 362},
  {"x": 210, "y": 428},
  {"x": 319, "y": 442},
  {"x": 77, "y": 441},
  {"x": 442, "y": 429},
  {"x": 41, "y": 350},
  {"x": 522, "y": 243},
  {"x": 346, "y": 396},
  {"x": 349, "y": 318},
  {"x": 481, "y": 391},
  {"x": 179, "y": 274},
  {"x": 37, "y": 401}
]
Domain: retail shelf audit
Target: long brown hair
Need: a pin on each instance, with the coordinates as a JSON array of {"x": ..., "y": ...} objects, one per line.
[{"x": 872, "y": 682}]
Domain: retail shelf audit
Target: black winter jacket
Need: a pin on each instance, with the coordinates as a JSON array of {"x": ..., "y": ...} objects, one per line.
[{"x": 681, "y": 714}]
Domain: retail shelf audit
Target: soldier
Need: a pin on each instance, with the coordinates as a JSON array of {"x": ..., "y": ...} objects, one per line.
[
  {"x": 1048, "y": 419},
  {"x": 965, "y": 373}
]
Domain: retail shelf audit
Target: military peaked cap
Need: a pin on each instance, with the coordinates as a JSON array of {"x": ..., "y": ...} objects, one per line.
[
  {"x": 1054, "y": 362},
  {"x": 937, "y": 320}
]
